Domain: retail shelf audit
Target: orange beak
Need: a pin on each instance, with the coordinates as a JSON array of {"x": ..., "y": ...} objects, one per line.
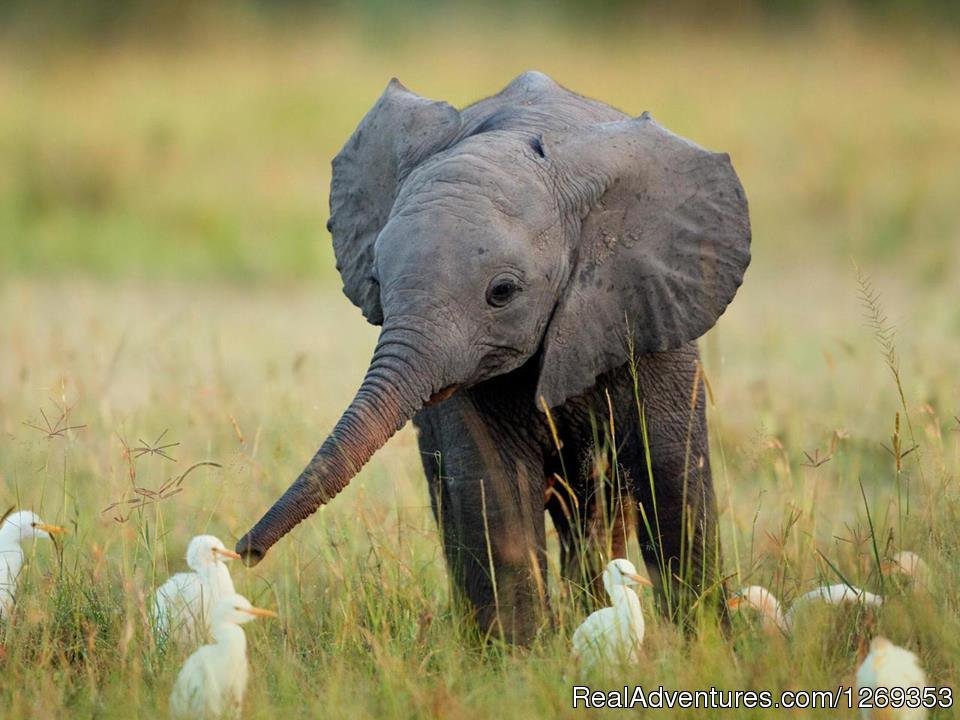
[
  {"x": 52, "y": 529},
  {"x": 639, "y": 580},
  {"x": 259, "y": 612},
  {"x": 227, "y": 553},
  {"x": 734, "y": 602}
]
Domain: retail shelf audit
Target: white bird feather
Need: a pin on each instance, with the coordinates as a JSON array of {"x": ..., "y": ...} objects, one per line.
[
  {"x": 16, "y": 528},
  {"x": 889, "y": 666},
  {"x": 839, "y": 594},
  {"x": 763, "y": 601},
  {"x": 184, "y": 602},
  {"x": 213, "y": 680},
  {"x": 613, "y": 635}
]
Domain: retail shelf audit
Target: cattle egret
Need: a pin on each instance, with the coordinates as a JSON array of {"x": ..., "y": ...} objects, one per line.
[
  {"x": 184, "y": 602},
  {"x": 839, "y": 594},
  {"x": 213, "y": 680},
  {"x": 763, "y": 601},
  {"x": 16, "y": 528},
  {"x": 888, "y": 666},
  {"x": 909, "y": 565},
  {"x": 614, "y": 634}
]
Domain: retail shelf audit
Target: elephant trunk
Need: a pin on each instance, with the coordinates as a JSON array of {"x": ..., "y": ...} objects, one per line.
[{"x": 394, "y": 388}]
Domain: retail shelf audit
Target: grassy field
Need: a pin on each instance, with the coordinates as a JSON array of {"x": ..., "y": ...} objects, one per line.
[{"x": 162, "y": 207}]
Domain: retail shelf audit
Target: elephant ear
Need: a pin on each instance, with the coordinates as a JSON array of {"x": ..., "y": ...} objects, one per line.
[
  {"x": 398, "y": 133},
  {"x": 662, "y": 246}
]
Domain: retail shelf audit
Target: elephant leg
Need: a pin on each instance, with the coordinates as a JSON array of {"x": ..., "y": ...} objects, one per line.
[
  {"x": 487, "y": 497},
  {"x": 677, "y": 515},
  {"x": 681, "y": 548}
]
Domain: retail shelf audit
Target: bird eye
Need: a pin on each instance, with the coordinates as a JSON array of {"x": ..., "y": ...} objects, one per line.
[{"x": 503, "y": 289}]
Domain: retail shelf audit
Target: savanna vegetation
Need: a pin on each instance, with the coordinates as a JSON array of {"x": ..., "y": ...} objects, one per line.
[{"x": 166, "y": 280}]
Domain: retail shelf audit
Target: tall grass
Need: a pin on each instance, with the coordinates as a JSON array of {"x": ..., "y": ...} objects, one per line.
[{"x": 367, "y": 623}]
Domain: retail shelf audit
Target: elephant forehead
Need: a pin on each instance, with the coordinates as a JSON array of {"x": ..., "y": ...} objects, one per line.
[
  {"x": 423, "y": 235},
  {"x": 482, "y": 174},
  {"x": 425, "y": 245}
]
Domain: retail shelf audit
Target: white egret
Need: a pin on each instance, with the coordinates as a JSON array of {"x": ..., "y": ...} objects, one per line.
[
  {"x": 839, "y": 594},
  {"x": 889, "y": 666},
  {"x": 16, "y": 528},
  {"x": 764, "y": 602},
  {"x": 613, "y": 634},
  {"x": 213, "y": 680},
  {"x": 183, "y": 603},
  {"x": 909, "y": 565}
]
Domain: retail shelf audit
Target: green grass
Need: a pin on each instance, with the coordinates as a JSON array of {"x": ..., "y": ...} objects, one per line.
[
  {"x": 366, "y": 619},
  {"x": 161, "y": 208}
]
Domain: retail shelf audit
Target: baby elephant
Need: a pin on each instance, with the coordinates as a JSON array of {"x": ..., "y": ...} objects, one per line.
[{"x": 541, "y": 265}]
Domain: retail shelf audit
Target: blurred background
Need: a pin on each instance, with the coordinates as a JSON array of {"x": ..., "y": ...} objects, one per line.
[{"x": 191, "y": 140}]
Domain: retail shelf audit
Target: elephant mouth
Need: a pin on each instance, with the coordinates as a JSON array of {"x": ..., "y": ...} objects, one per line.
[{"x": 441, "y": 395}]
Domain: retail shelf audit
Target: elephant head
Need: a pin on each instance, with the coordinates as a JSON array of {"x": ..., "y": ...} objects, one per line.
[{"x": 534, "y": 226}]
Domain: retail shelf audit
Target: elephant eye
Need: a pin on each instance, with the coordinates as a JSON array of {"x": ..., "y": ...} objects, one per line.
[{"x": 502, "y": 290}]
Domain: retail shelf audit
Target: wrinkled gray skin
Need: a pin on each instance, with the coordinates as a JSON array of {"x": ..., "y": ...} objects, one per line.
[{"x": 518, "y": 253}]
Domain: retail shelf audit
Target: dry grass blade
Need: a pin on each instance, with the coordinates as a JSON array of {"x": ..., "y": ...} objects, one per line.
[
  {"x": 815, "y": 461},
  {"x": 193, "y": 467},
  {"x": 155, "y": 448},
  {"x": 145, "y": 496},
  {"x": 884, "y": 332},
  {"x": 59, "y": 428}
]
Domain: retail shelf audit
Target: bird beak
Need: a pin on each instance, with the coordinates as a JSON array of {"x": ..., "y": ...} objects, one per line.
[
  {"x": 639, "y": 579},
  {"x": 259, "y": 612},
  {"x": 227, "y": 553},
  {"x": 52, "y": 529},
  {"x": 734, "y": 603}
]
